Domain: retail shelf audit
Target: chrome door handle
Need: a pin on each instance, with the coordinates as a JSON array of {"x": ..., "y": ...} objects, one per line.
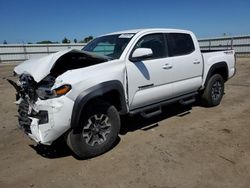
[
  {"x": 167, "y": 66},
  {"x": 196, "y": 62}
]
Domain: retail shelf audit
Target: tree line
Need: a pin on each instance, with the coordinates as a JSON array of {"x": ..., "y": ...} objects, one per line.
[{"x": 65, "y": 40}]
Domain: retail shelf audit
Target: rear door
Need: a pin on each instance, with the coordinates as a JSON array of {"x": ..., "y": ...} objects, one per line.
[{"x": 186, "y": 61}]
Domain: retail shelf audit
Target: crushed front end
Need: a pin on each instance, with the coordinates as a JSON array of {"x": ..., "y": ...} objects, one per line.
[
  {"x": 43, "y": 113},
  {"x": 45, "y": 105}
]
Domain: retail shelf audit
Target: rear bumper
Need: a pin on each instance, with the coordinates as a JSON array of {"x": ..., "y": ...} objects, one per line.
[{"x": 53, "y": 119}]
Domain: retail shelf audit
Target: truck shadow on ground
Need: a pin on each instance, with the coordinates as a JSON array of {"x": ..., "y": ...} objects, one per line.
[
  {"x": 57, "y": 150},
  {"x": 60, "y": 149},
  {"x": 133, "y": 123}
]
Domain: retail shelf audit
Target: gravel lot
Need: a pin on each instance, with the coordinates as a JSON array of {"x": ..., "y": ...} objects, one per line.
[{"x": 183, "y": 147}]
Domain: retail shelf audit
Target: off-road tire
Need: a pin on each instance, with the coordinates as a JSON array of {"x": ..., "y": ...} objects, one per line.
[
  {"x": 213, "y": 92},
  {"x": 85, "y": 147}
]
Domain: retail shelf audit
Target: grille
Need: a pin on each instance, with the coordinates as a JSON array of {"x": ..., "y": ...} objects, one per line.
[{"x": 23, "y": 119}]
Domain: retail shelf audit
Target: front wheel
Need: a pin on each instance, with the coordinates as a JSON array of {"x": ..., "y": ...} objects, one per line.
[
  {"x": 213, "y": 92},
  {"x": 98, "y": 132}
]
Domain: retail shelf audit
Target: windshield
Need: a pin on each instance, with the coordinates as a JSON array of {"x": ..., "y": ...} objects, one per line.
[{"x": 109, "y": 45}]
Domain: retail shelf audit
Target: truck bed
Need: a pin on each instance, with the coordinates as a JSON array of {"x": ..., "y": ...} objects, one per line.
[{"x": 223, "y": 56}]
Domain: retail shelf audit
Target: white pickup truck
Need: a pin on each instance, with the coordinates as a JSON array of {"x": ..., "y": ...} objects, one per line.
[{"x": 80, "y": 94}]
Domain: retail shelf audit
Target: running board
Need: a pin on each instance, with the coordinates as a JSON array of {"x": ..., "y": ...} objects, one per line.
[
  {"x": 158, "y": 106},
  {"x": 187, "y": 101},
  {"x": 151, "y": 112}
]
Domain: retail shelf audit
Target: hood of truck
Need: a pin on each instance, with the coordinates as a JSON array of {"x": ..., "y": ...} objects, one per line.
[{"x": 40, "y": 68}]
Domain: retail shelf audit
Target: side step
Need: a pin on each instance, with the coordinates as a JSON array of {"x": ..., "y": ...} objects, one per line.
[
  {"x": 187, "y": 101},
  {"x": 151, "y": 112},
  {"x": 155, "y": 109}
]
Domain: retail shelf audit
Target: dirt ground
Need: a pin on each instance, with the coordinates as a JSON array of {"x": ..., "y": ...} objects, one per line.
[{"x": 183, "y": 147}]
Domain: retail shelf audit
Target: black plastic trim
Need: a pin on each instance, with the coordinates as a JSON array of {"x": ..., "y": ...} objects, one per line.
[
  {"x": 162, "y": 103},
  {"x": 43, "y": 117},
  {"x": 215, "y": 67},
  {"x": 97, "y": 91},
  {"x": 146, "y": 86}
]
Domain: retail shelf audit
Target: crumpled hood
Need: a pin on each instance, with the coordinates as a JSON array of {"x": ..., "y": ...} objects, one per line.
[{"x": 40, "y": 68}]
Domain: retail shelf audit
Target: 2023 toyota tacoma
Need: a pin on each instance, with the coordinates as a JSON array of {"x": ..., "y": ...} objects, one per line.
[{"x": 83, "y": 93}]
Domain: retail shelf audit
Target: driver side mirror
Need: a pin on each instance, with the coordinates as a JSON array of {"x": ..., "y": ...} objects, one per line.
[{"x": 140, "y": 54}]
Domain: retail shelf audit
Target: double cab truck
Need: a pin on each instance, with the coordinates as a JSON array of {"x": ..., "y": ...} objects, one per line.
[{"x": 80, "y": 94}]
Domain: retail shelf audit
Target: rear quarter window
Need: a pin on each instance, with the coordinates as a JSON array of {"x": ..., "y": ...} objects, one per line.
[{"x": 179, "y": 44}]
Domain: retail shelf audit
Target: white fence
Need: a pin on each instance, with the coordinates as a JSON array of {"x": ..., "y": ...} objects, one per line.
[
  {"x": 19, "y": 52},
  {"x": 241, "y": 44}
]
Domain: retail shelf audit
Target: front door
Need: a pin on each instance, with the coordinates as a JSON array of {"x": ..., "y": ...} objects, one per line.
[{"x": 148, "y": 78}]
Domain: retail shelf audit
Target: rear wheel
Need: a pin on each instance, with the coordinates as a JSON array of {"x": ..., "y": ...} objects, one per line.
[
  {"x": 99, "y": 129},
  {"x": 213, "y": 92}
]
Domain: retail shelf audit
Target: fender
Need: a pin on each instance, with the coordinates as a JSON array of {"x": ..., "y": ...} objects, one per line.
[
  {"x": 97, "y": 91},
  {"x": 214, "y": 69}
]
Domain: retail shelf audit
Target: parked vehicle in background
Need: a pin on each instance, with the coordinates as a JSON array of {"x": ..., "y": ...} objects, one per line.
[{"x": 81, "y": 94}]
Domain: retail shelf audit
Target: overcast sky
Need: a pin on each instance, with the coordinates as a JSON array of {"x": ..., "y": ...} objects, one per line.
[{"x": 32, "y": 21}]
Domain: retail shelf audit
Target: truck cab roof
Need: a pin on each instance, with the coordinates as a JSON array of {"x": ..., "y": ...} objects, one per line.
[{"x": 144, "y": 30}]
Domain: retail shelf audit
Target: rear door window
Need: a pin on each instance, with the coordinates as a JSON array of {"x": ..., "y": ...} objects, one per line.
[{"x": 179, "y": 44}]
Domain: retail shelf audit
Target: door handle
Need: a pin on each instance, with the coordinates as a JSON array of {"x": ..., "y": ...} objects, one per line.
[
  {"x": 167, "y": 66},
  {"x": 196, "y": 62}
]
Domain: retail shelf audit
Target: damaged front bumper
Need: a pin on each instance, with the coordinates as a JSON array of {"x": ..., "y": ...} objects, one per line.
[
  {"x": 44, "y": 108},
  {"x": 46, "y": 119},
  {"x": 44, "y": 113}
]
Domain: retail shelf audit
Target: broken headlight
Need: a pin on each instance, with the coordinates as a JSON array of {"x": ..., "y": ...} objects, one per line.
[{"x": 46, "y": 93}]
